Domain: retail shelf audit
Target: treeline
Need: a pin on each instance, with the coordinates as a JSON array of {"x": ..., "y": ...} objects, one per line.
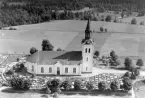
[
  {"x": 30, "y": 14},
  {"x": 36, "y": 11},
  {"x": 79, "y": 4}
]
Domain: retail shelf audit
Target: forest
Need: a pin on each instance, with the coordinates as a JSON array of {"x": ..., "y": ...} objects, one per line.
[{"x": 19, "y": 12}]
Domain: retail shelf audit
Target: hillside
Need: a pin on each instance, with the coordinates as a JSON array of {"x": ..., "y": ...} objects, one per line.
[
  {"x": 20, "y": 12},
  {"x": 125, "y": 39}
]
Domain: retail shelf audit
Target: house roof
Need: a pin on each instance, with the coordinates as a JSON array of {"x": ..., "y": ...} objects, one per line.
[{"x": 52, "y": 57}]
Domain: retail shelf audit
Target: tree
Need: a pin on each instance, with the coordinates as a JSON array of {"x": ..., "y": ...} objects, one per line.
[
  {"x": 46, "y": 45},
  {"x": 102, "y": 86},
  {"x": 140, "y": 63},
  {"x": 53, "y": 85},
  {"x": 101, "y": 29},
  {"x": 112, "y": 53},
  {"x": 127, "y": 83},
  {"x": 19, "y": 67},
  {"x": 66, "y": 85},
  {"x": 97, "y": 53},
  {"x": 33, "y": 50},
  {"x": 108, "y": 18},
  {"x": 135, "y": 72},
  {"x": 133, "y": 21},
  {"x": 78, "y": 84},
  {"x": 89, "y": 86},
  {"x": 114, "y": 85},
  {"x": 127, "y": 74},
  {"x": 128, "y": 63}
]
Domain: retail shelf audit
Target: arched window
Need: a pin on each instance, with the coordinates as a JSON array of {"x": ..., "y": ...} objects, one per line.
[
  {"x": 50, "y": 70},
  {"x": 87, "y": 59},
  {"x": 74, "y": 70},
  {"x": 86, "y": 50},
  {"x": 86, "y": 68},
  {"x": 89, "y": 50},
  {"x": 42, "y": 70},
  {"x": 66, "y": 70},
  {"x": 32, "y": 68}
]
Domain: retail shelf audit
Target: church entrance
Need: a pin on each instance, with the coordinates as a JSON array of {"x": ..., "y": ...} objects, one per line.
[{"x": 58, "y": 71}]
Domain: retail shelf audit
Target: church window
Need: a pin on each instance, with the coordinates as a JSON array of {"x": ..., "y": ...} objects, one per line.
[
  {"x": 74, "y": 70},
  {"x": 50, "y": 70},
  {"x": 32, "y": 68},
  {"x": 66, "y": 70},
  {"x": 89, "y": 50},
  {"x": 86, "y": 68},
  {"x": 87, "y": 59},
  {"x": 42, "y": 70},
  {"x": 86, "y": 50}
]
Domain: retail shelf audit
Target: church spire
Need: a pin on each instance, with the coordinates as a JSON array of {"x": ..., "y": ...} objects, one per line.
[{"x": 88, "y": 30}]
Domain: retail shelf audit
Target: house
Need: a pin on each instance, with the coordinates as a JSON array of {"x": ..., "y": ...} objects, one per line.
[{"x": 64, "y": 62}]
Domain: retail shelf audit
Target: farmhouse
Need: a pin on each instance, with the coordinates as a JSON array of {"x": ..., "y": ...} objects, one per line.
[{"x": 64, "y": 62}]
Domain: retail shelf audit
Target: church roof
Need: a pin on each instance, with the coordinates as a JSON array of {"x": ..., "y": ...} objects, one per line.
[{"x": 52, "y": 57}]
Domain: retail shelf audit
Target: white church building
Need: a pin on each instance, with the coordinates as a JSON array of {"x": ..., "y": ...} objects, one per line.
[{"x": 64, "y": 62}]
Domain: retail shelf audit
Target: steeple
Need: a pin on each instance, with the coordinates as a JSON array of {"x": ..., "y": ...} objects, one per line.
[{"x": 88, "y": 31}]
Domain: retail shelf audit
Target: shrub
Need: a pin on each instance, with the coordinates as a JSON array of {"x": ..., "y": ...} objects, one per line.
[
  {"x": 140, "y": 62},
  {"x": 66, "y": 85},
  {"x": 102, "y": 86},
  {"x": 20, "y": 83},
  {"x": 108, "y": 18},
  {"x": 101, "y": 29},
  {"x": 128, "y": 63},
  {"x": 78, "y": 84},
  {"x": 53, "y": 85},
  {"x": 89, "y": 86},
  {"x": 142, "y": 23},
  {"x": 134, "y": 21},
  {"x": 127, "y": 83},
  {"x": 114, "y": 85}
]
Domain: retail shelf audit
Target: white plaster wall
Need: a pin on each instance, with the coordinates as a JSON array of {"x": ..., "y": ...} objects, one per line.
[
  {"x": 29, "y": 66},
  {"x": 89, "y": 63},
  {"x": 37, "y": 69}
]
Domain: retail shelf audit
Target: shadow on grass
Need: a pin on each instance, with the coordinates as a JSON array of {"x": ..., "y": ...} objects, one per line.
[
  {"x": 11, "y": 90},
  {"x": 120, "y": 93},
  {"x": 118, "y": 68},
  {"x": 44, "y": 96}
]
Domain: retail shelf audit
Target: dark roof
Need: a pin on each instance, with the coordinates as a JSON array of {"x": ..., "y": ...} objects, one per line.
[{"x": 51, "y": 57}]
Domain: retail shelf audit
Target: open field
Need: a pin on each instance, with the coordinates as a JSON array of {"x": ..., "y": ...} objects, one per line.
[{"x": 125, "y": 39}]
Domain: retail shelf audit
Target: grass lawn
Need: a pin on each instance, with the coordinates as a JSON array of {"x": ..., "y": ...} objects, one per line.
[{"x": 67, "y": 34}]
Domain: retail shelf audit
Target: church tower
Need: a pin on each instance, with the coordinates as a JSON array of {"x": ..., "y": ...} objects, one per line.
[{"x": 87, "y": 50}]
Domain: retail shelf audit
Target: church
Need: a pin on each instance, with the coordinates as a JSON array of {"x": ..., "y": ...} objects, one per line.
[{"x": 64, "y": 62}]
